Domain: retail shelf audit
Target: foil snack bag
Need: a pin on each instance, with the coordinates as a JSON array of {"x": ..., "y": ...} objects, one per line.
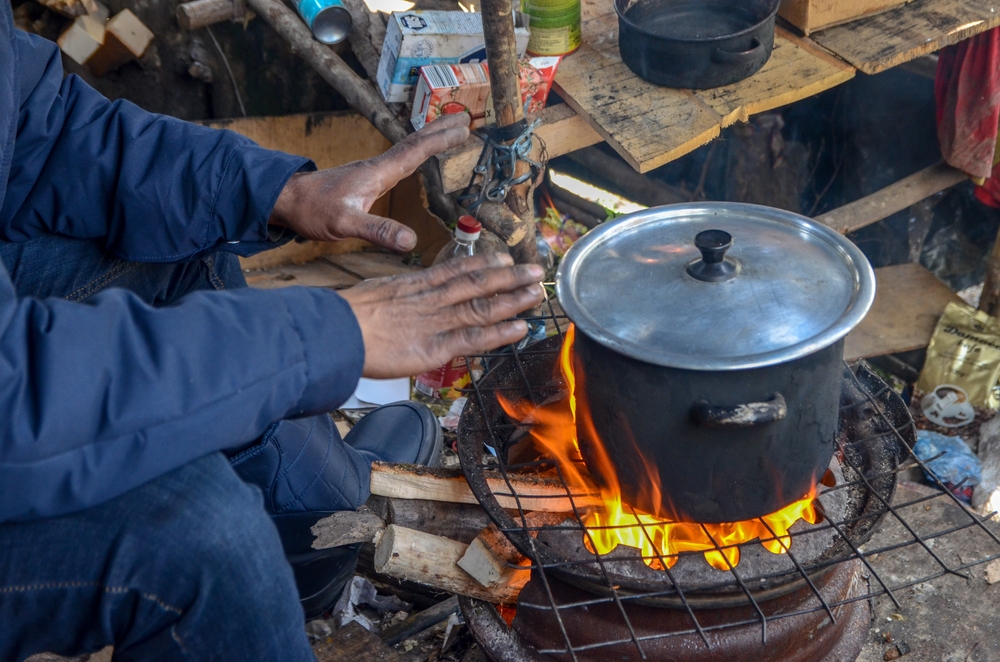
[{"x": 962, "y": 367}]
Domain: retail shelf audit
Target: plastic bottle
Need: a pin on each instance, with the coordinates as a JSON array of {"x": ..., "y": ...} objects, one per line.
[{"x": 468, "y": 241}]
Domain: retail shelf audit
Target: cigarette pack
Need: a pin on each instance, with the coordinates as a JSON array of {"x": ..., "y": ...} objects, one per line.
[
  {"x": 418, "y": 38},
  {"x": 444, "y": 89}
]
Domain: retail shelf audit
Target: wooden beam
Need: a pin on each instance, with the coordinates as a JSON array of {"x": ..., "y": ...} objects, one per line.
[
  {"x": 562, "y": 131},
  {"x": 432, "y": 560},
  {"x": 639, "y": 188},
  {"x": 893, "y": 198},
  {"x": 989, "y": 300},
  {"x": 410, "y": 481}
]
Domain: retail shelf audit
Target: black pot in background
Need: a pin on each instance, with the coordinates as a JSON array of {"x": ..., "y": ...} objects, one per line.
[
  {"x": 709, "y": 344},
  {"x": 695, "y": 44}
]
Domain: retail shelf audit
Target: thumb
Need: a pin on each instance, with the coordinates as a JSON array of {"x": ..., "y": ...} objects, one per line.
[{"x": 385, "y": 232}]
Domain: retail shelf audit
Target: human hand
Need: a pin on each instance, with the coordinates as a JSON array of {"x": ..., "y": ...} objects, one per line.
[
  {"x": 333, "y": 204},
  {"x": 420, "y": 321}
]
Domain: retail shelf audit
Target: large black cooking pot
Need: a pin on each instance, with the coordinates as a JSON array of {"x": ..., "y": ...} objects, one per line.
[
  {"x": 695, "y": 44},
  {"x": 708, "y": 355}
]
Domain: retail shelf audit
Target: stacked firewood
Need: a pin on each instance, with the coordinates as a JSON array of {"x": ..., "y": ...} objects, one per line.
[{"x": 428, "y": 527}]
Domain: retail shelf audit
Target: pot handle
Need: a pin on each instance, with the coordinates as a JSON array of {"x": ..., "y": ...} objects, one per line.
[
  {"x": 741, "y": 416},
  {"x": 742, "y": 57}
]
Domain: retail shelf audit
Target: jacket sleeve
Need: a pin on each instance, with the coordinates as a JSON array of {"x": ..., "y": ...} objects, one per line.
[
  {"x": 103, "y": 396},
  {"x": 154, "y": 188}
]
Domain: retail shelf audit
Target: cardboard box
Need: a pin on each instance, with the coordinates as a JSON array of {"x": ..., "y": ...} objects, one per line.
[
  {"x": 417, "y": 38},
  {"x": 812, "y": 15},
  {"x": 444, "y": 89}
]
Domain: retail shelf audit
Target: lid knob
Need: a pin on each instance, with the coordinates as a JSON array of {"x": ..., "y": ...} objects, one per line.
[{"x": 713, "y": 267}]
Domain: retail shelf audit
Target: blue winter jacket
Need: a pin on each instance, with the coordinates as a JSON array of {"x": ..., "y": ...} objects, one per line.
[{"x": 97, "y": 398}]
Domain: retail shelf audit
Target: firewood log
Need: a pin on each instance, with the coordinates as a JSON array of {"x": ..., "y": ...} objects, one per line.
[
  {"x": 492, "y": 554},
  {"x": 458, "y": 521},
  {"x": 432, "y": 560},
  {"x": 535, "y": 493}
]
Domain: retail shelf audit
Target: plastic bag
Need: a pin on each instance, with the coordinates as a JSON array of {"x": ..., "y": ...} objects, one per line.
[{"x": 957, "y": 464}]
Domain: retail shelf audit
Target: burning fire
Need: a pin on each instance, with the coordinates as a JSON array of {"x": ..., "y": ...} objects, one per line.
[{"x": 554, "y": 428}]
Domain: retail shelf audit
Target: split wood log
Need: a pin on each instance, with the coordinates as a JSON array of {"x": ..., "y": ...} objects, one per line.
[
  {"x": 348, "y": 527},
  {"x": 125, "y": 38},
  {"x": 410, "y": 481},
  {"x": 892, "y": 199},
  {"x": 198, "y": 14},
  {"x": 359, "y": 93},
  {"x": 491, "y": 555},
  {"x": 638, "y": 187},
  {"x": 431, "y": 560},
  {"x": 458, "y": 521},
  {"x": 82, "y": 38}
]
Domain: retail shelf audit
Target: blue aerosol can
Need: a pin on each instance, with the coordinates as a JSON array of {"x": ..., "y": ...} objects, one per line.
[{"x": 329, "y": 20}]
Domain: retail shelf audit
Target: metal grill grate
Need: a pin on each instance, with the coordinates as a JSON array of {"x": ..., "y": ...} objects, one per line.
[{"x": 873, "y": 447}]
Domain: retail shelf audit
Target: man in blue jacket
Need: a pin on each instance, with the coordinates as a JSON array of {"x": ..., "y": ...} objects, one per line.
[{"x": 121, "y": 379}]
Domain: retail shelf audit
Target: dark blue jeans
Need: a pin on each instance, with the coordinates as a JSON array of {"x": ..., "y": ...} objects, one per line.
[{"x": 189, "y": 566}]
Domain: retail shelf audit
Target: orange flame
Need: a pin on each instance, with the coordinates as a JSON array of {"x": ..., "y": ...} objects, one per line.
[{"x": 554, "y": 428}]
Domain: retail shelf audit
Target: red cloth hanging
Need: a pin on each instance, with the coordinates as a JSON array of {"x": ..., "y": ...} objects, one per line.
[{"x": 967, "y": 90}]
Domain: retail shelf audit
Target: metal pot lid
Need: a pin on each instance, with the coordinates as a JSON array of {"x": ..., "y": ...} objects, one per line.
[{"x": 784, "y": 287}]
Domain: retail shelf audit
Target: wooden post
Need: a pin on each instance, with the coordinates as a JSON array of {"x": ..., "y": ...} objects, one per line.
[
  {"x": 989, "y": 302},
  {"x": 360, "y": 94},
  {"x": 505, "y": 84}
]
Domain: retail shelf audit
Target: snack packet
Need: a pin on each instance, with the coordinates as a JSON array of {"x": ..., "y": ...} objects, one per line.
[{"x": 962, "y": 368}]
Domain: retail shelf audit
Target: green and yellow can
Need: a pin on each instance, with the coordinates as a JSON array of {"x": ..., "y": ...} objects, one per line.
[{"x": 554, "y": 26}]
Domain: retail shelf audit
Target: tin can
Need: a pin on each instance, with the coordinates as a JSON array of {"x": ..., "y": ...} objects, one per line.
[
  {"x": 329, "y": 20},
  {"x": 554, "y": 26},
  {"x": 437, "y": 383}
]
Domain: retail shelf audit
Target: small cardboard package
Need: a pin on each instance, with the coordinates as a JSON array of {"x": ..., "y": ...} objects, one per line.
[
  {"x": 444, "y": 89},
  {"x": 414, "y": 39},
  {"x": 812, "y": 15}
]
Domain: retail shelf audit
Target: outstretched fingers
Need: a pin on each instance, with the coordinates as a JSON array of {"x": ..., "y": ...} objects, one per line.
[
  {"x": 403, "y": 158},
  {"x": 383, "y": 232},
  {"x": 478, "y": 339},
  {"x": 483, "y": 311}
]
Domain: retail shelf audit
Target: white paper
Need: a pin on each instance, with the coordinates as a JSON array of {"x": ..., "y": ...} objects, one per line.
[{"x": 377, "y": 392}]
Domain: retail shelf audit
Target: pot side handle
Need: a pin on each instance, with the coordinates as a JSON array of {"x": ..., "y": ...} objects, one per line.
[
  {"x": 741, "y": 57},
  {"x": 740, "y": 416}
]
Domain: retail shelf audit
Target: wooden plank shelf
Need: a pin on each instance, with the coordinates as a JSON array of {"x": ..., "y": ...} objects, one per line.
[
  {"x": 651, "y": 125},
  {"x": 335, "y": 272},
  {"x": 886, "y": 40},
  {"x": 909, "y": 300}
]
